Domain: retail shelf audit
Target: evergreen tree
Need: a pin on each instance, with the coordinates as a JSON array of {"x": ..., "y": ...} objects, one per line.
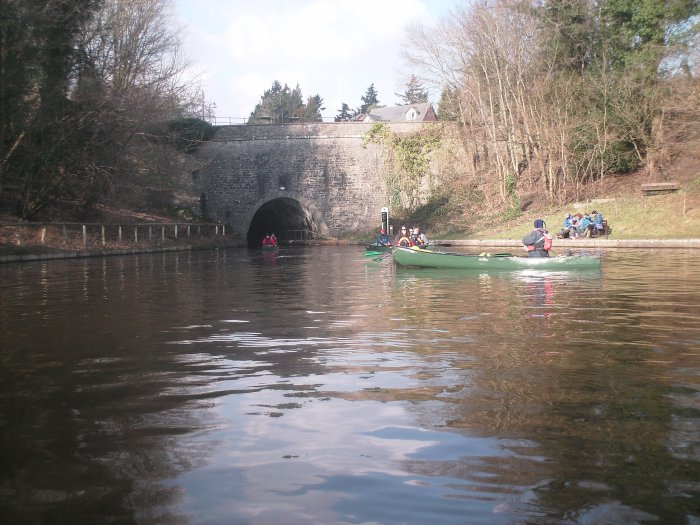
[
  {"x": 448, "y": 109},
  {"x": 369, "y": 100},
  {"x": 312, "y": 110},
  {"x": 574, "y": 40},
  {"x": 345, "y": 113},
  {"x": 272, "y": 106},
  {"x": 415, "y": 93},
  {"x": 280, "y": 104},
  {"x": 641, "y": 31},
  {"x": 617, "y": 34},
  {"x": 38, "y": 122}
]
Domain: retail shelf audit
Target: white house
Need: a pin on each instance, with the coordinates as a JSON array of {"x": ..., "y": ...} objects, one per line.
[{"x": 408, "y": 113}]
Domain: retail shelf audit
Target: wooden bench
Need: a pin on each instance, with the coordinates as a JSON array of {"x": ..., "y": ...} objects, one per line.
[
  {"x": 653, "y": 188},
  {"x": 607, "y": 230}
]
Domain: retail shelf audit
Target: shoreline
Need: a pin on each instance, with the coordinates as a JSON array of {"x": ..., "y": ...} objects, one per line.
[
  {"x": 487, "y": 243},
  {"x": 584, "y": 243},
  {"x": 558, "y": 243}
]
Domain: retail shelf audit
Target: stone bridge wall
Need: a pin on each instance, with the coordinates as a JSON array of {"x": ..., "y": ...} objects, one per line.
[{"x": 324, "y": 167}]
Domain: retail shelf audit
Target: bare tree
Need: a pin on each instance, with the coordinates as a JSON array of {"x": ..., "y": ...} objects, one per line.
[
  {"x": 133, "y": 81},
  {"x": 484, "y": 54},
  {"x": 134, "y": 49},
  {"x": 557, "y": 93},
  {"x": 90, "y": 82}
]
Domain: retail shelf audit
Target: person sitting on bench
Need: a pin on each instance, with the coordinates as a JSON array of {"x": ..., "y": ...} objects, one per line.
[
  {"x": 598, "y": 224},
  {"x": 566, "y": 227}
]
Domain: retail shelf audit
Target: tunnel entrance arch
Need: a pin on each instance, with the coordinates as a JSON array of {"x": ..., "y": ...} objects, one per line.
[{"x": 287, "y": 218}]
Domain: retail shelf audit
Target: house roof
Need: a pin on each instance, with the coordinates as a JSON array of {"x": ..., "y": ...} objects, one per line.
[{"x": 409, "y": 112}]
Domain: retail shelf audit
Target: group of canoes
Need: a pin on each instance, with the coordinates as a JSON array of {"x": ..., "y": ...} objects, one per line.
[{"x": 538, "y": 243}]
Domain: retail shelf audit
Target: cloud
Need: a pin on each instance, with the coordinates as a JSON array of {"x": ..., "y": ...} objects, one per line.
[{"x": 333, "y": 48}]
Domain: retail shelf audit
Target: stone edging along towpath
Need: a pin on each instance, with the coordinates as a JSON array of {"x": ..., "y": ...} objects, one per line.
[
  {"x": 583, "y": 243},
  {"x": 77, "y": 254}
]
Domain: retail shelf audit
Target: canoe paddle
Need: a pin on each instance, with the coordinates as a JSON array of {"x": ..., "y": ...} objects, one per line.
[{"x": 484, "y": 254}]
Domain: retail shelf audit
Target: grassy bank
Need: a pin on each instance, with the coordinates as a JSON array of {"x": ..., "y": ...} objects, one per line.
[{"x": 674, "y": 216}]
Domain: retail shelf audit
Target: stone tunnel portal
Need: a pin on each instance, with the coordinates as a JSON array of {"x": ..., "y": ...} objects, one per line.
[{"x": 286, "y": 218}]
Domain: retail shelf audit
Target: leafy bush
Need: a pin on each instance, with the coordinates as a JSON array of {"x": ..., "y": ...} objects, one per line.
[{"x": 514, "y": 210}]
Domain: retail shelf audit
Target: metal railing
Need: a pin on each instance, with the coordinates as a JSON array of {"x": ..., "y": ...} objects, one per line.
[
  {"x": 239, "y": 121},
  {"x": 228, "y": 121},
  {"x": 71, "y": 235},
  {"x": 298, "y": 235}
]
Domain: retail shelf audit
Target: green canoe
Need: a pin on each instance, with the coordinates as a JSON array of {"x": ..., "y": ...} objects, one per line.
[
  {"x": 376, "y": 247},
  {"x": 428, "y": 259}
]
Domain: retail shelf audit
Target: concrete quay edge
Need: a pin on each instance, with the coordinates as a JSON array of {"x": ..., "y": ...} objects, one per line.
[
  {"x": 79, "y": 254},
  {"x": 582, "y": 243}
]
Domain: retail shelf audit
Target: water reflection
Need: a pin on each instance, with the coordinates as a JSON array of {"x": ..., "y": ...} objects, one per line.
[{"x": 316, "y": 386}]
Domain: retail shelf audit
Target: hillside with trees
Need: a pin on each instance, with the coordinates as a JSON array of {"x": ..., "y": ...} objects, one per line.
[{"x": 554, "y": 98}]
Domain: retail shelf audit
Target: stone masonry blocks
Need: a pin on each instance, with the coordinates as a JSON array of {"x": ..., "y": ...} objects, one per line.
[{"x": 323, "y": 166}]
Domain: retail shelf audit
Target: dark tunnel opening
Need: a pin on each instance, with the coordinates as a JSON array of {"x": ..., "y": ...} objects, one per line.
[{"x": 284, "y": 217}]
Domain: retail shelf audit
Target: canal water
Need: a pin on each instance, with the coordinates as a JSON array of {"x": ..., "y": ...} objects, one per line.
[{"x": 319, "y": 386}]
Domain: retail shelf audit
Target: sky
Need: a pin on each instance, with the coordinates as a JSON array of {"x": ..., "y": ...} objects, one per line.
[{"x": 333, "y": 48}]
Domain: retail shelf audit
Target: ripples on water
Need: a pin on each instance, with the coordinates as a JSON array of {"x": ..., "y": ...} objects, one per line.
[{"x": 318, "y": 386}]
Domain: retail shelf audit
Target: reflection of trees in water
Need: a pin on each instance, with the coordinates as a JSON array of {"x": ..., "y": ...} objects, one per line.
[
  {"x": 544, "y": 370},
  {"x": 82, "y": 433},
  {"x": 95, "y": 406},
  {"x": 92, "y": 405},
  {"x": 526, "y": 362},
  {"x": 529, "y": 360}
]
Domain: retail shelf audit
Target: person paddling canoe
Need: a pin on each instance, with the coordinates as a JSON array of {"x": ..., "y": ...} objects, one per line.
[
  {"x": 403, "y": 239},
  {"x": 538, "y": 242},
  {"x": 383, "y": 238},
  {"x": 418, "y": 238}
]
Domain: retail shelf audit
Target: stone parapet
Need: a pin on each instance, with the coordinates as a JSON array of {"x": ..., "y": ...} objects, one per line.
[{"x": 313, "y": 130}]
